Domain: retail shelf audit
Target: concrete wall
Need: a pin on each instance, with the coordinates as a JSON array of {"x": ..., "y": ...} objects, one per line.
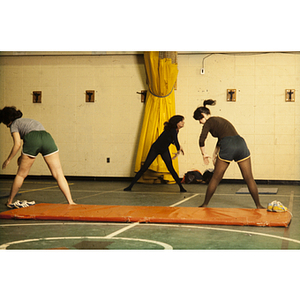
[{"x": 88, "y": 133}]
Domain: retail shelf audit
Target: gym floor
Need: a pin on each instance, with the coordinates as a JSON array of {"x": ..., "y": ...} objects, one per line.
[
  {"x": 128, "y": 273},
  {"x": 31, "y": 234}
]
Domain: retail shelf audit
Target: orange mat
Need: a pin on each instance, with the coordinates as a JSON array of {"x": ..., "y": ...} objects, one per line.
[{"x": 150, "y": 214}]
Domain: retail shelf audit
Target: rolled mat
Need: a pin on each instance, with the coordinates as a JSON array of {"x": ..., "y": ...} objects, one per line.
[{"x": 150, "y": 214}]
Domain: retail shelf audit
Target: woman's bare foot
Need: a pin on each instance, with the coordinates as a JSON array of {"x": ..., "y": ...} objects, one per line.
[{"x": 260, "y": 207}]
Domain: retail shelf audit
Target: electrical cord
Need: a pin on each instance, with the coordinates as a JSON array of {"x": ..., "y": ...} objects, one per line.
[{"x": 247, "y": 53}]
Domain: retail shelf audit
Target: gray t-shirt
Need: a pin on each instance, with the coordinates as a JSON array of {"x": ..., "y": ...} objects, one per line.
[{"x": 24, "y": 126}]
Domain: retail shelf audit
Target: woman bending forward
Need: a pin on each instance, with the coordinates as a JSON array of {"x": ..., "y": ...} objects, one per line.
[
  {"x": 230, "y": 146},
  {"x": 35, "y": 140}
]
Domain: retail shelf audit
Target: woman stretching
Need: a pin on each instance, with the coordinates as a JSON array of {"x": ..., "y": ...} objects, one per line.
[
  {"x": 230, "y": 146},
  {"x": 161, "y": 146},
  {"x": 35, "y": 140}
]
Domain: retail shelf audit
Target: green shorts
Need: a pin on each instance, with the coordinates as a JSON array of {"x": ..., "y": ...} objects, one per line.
[{"x": 36, "y": 142}]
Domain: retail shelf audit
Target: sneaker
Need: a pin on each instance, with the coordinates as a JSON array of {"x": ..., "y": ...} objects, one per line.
[
  {"x": 278, "y": 207},
  {"x": 270, "y": 206},
  {"x": 29, "y": 203},
  {"x": 20, "y": 204}
]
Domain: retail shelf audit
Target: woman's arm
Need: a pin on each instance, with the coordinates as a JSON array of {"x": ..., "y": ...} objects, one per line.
[
  {"x": 178, "y": 152},
  {"x": 16, "y": 147},
  {"x": 174, "y": 134},
  {"x": 205, "y": 156}
]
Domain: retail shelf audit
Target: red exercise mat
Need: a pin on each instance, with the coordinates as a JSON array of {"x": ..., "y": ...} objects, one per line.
[{"x": 150, "y": 214}]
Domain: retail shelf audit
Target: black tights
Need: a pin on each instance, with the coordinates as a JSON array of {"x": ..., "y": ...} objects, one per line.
[
  {"x": 150, "y": 158},
  {"x": 220, "y": 168}
]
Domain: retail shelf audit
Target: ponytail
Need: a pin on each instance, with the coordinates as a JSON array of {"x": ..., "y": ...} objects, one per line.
[
  {"x": 209, "y": 102},
  {"x": 203, "y": 109}
]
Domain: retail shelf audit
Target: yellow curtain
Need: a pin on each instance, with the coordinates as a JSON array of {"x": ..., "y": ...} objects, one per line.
[{"x": 160, "y": 107}]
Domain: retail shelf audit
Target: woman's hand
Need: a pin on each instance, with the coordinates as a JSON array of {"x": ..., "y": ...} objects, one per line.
[
  {"x": 204, "y": 155},
  {"x": 176, "y": 154},
  {"x": 17, "y": 145},
  {"x": 206, "y": 159},
  {"x": 5, "y": 164},
  {"x": 181, "y": 150}
]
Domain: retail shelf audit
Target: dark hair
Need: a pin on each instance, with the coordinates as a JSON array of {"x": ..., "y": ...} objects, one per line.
[
  {"x": 8, "y": 114},
  {"x": 172, "y": 123},
  {"x": 203, "y": 109}
]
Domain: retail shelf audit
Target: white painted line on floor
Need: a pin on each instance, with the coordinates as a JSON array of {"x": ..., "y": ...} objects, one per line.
[
  {"x": 41, "y": 189},
  {"x": 286, "y": 233},
  {"x": 122, "y": 230},
  {"x": 184, "y": 200},
  {"x": 231, "y": 230},
  {"x": 154, "y": 224},
  {"x": 164, "y": 245}
]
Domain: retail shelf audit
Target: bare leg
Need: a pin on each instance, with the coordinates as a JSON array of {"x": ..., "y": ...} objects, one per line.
[
  {"x": 54, "y": 166},
  {"x": 25, "y": 164},
  {"x": 246, "y": 170},
  {"x": 220, "y": 168}
]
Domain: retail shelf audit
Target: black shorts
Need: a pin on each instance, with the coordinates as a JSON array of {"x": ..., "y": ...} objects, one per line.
[{"x": 233, "y": 148}]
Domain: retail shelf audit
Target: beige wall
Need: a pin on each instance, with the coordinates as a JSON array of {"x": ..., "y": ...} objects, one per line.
[{"x": 88, "y": 133}]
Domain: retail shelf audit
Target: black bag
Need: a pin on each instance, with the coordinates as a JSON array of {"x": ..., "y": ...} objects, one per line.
[
  {"x": 192, "y": 177},
  {"x": 207, "y": 175}
]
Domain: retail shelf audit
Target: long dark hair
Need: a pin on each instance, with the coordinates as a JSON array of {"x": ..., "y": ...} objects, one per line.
[
  {"x": 8, "y": 114},
  {"x": 203, "y": 109},
  {"x": 172, "y": 123}
]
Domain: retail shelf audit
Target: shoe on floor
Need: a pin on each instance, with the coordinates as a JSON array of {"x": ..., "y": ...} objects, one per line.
[
  {"x": 276, "y": 206},
  {"x": 20, "y": 204},
  {"x": 270, "y": 206}
]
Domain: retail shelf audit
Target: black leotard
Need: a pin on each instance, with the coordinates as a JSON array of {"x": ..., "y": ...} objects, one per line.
[
  {"x": 165, "y": 139},
  {"x": 160, "y": 147}
]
